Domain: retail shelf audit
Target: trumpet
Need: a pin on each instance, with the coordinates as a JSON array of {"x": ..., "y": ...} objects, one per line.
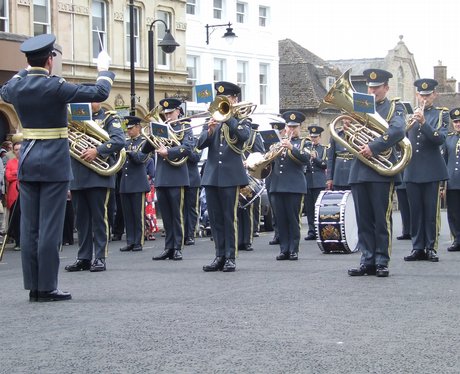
[{"x": 411, "y": 121}]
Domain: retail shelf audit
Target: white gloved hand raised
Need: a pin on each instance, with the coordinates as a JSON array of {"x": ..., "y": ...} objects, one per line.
[{"x": 103, "y": 61}]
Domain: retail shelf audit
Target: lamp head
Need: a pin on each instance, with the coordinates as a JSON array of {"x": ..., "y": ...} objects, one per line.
[{"x": 168, "y": 44}]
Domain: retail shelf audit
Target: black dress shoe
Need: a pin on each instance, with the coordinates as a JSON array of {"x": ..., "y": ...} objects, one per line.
[
  {"x": 404, "y": 237},
  {"x": 98, "y": 265},
  {"x": 416, "y": 255},
  {"x": 189, "y": 241},
  {"x": 382, "y": 271},
  {"x": 293, "y": 256},
  {"x": 127, "y": 248},
  {"x": 310, "y": 237},
  {"x": 282, "y": 256},
  {"x": 454, "y": 248},
  {"x": 256, "y": 234},
  {"x": 229, "y": 265},
  {"x": 55, "y": 295},
  {"x": 177, "y": 255},
  {"x": 33, "y": 295},
  {"x": 362, "y": 270},
  {"x": 137, "y": 248},
  {"x": 79, "y": 265},
  {"x": 116, "y": 238},
  {"x": 167, "y": 253},
  {"x": 246, "y": 247},
  {"x": 216, "y": 265},
  {"x": 431, "y": 255},
  {"x": 275, "y": 241}
]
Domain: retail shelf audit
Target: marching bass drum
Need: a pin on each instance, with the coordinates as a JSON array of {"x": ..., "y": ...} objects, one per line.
[
  {"x": 250, "y": 192},
  {"x": 335, "y": 222}
]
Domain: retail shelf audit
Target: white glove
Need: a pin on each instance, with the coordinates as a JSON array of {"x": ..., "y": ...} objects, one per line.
[{"x": 103, "y": 61}]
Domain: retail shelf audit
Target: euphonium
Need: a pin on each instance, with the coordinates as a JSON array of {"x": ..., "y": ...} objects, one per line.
[
  {"x": 88, "y": 134},
  {"x": 157, "y": 141},
  {"x": 366, "y": 128}
]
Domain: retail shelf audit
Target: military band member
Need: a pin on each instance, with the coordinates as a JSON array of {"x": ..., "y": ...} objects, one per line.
[
  {"x": 425, "y": 172},
  {"x": 452, "y": 157},
  {"x": 316, "y": 176},
  {"x": 223, "y": 175},
  {"x": 279, "y": 125},
  {"x": 246, "y": 216},
  {"x": 192, "y": 194},
  {"x": 338, "y": 164},
  {"x": 404, "y": 210},
  {"x": 90, "y": 194},
  {"x": 133, "y": 186},
  {"x": 172, "y": 177},
  {"x": 373, "y": 192},
  {"x": 40, "y": 100},
  {"x": 288, "y": 186}
]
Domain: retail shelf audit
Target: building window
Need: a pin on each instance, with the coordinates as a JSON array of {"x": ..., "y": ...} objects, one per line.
[
  {"x": 263, "y": 83},
  {"x": 4, "y": 24},
  {"x": 218, "y": 6},
  {"x": 99, "y": 18},
  {"x": 41, "y": 17},
  {"x": 400, "y": 78},
  {"x": 242, "y": 77},
  {"x": 136, "y": 36},
  {"x": 219, "y": 68},
  {"x": 192, "y": 72},
  {"x": 329, "y": 82},
  {"x": 240, "y": 12},
  {"x": 163, "y": 59},
  {"x": 263, "y": 16},
  {"x": 191, "y": 7}
]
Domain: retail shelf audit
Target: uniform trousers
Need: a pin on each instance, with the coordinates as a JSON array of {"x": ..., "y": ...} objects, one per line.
[
  {"x": 453, "y": 214},
  {"x": 92, "y": 222},
  {"x": 373, "y": 207},
  {"x": 425, "y": 206},
  {"x": 42, "y": 221},
  {"x": 133, "y": 205},
  {"x": 256, "y": 214},
  {"x": 222, "y": 205},
  {"x": 245, "y": 225},
  {"x": 192, "y": 207},
  {"x": 288, "y": 210},
  {"x": 275, "y": 224},
  {"x": 310, "y": 201},
  {"x": 171, "y": 205},
  {"x": 404, "y": 210}
]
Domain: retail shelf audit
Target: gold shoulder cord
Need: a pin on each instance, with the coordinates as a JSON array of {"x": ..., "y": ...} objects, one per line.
[
  {"x": 231, "y": 141},
  {"x": 250, "y": 142},
  {"x": 292, "y": 157}
]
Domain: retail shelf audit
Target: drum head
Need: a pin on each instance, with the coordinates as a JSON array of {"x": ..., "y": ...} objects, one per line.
[{"x": 351, "y": 227}]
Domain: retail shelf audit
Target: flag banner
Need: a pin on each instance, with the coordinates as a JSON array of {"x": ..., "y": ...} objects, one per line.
[{"x": 363, "y": 103}]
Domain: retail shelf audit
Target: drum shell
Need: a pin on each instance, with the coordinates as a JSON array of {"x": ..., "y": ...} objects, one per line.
[{"x": 250, "y": 192}]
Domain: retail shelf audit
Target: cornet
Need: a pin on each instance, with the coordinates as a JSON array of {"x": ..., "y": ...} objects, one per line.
[{"x": 411, "y": 121}]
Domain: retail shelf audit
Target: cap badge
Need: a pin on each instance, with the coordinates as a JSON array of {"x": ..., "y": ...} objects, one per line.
[
  {"x": 292, "y": 117},
  {"x": 424, "y": 85},
  {"x": 165, "y": 104},
  {"x": 373, "y": 75},
  {"x": 457, "y": 112},
  {"x": 220, "y": 89},
  {"x": 313, "y": 129}
]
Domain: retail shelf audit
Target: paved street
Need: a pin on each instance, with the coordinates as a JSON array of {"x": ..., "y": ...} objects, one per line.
[{"x": 307, "y": 316}]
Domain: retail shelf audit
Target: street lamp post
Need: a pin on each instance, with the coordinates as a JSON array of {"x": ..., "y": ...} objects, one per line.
[
  {"x": 229, "y": 34},
  {"x": 168, "y": 45},
  {"x": 132, "y": 54}
]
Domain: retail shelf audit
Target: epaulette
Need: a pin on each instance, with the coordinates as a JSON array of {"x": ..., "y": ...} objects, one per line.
[
  {"x": 450, "y": 133},
  {"x": 395, "y": 99},
  {"x": 442, "y": 108}
]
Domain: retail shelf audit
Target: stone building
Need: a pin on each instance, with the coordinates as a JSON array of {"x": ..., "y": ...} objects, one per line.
[{"x": 81, "y": 26}]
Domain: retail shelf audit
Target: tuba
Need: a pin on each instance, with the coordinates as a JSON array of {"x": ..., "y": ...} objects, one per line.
[
  {"x": 88, "y": 134},
  {"x": 157, "y": 141},
  {"x": 365, "y": 128}
]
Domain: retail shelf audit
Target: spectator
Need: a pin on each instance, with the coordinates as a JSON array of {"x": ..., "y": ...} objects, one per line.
[{"x": 12, "y": 196}]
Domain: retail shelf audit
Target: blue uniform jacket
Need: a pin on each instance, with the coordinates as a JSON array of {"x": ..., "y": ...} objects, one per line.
[
  {"x": 359, "y": 171},
  {"x": 427, "y": 164},
  {"x": 134, "y": 174},
  {"x": 192, "y": 166},
  {"x": 451, "y": 151},
  {"x": 339, "y": 160},
  {"x": 316, "y": 168},
  {"x": 287, "y": 174},
  {"x": 41, "y": 101},
  {"x": 84, "y": 177},
  {"x": 224, "y": 166},
  {"x": 167, "y": 175}
]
